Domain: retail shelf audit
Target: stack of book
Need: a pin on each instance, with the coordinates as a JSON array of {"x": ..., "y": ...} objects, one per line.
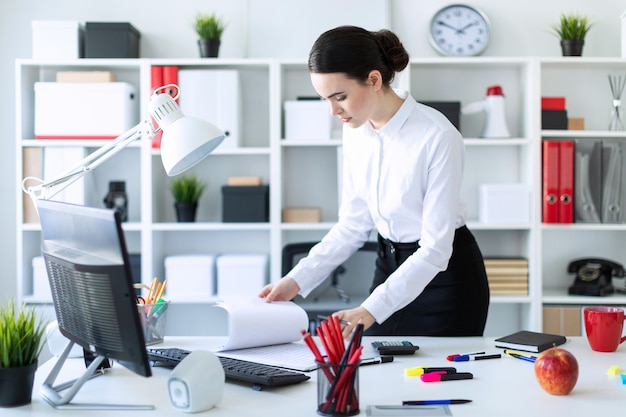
[{"x": 507, "y": 276}]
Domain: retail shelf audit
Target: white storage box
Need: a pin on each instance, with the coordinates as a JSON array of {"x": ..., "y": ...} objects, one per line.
[
  {"x": 504, "y": 203},
  {"x": 307, "y": 119},
  {"x": 84, "y": 110},
  {"x": 41, "y": 285},
  {"x": 190, "y": 277},
  {"x": 57, "y": 39},
  {"x": 241, "y": 274}
]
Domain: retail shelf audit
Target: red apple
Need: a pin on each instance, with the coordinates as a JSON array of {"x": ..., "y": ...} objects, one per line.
[{"x": 556, "y": 371}]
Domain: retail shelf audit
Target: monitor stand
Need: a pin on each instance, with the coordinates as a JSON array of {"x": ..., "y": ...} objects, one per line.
[{"x": 52, "y": 394}]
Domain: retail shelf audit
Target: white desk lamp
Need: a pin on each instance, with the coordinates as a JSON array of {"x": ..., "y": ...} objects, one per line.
[{"x": 186, "y": 141}]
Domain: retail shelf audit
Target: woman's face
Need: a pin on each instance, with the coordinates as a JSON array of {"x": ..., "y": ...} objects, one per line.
[{"x": 351, "y": 101}]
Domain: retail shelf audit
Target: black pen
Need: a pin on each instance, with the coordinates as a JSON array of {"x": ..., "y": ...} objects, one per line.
[
  {"x": 434, "y": 402},
  {"x": 376, "y": 360}
]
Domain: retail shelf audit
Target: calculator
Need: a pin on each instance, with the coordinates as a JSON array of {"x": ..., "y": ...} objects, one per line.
[{"x": 395, "y": 347}]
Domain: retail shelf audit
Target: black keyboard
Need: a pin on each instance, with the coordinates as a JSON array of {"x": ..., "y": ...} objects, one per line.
[{"x": 259, "y": 375}]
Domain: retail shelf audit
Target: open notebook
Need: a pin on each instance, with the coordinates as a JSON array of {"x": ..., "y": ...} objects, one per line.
[{"x": 269, "y": 333}]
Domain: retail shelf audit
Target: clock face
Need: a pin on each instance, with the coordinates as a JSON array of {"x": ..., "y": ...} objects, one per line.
[{"x": 459, "y": 30}]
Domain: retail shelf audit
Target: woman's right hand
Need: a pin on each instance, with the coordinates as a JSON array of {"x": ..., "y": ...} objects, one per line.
[{"x": 285, "y": 289}]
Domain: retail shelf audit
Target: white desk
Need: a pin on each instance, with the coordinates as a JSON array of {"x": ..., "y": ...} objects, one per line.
[{"x": 500, "y": 387}]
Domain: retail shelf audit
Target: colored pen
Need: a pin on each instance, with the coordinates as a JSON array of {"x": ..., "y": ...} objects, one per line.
[
  {"x": 526, "y": 358},
  {"x": 376, "y": 360},
  {"x": 514, "y": 352},
  {"x": 320, "y": 317},
  {"x": 464, "y": 358},
  {"x": 434, "y": 402},
  {"x": 420, "y": 370},
  {"x": 451, "y": 357},
  {"x": 437, "y": 377}
]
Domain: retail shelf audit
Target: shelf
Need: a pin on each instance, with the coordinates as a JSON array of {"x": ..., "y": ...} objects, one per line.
[{"x": 561, "y": 297}]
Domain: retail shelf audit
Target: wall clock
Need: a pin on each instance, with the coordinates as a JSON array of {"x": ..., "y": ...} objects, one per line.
[{"x": 459, "y": 30}]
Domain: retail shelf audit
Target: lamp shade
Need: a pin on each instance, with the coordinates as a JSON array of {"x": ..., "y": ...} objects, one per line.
[{"x": 186, "y": 140}]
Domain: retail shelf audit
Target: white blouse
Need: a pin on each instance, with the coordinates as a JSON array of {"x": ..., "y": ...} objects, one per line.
[{"x": 403, "y": 180}]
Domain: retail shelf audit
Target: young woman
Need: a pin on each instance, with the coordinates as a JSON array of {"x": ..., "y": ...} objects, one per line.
[{"x": 403, "y": 168}]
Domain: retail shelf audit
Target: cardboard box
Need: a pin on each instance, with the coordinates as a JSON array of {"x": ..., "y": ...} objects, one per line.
[
  {"x": 576, "y": 123},
  {"x": 563, "y": 320},
  {"x": 504, "y": 203},
  {"x": 84, "y": 76},
  {"x": 111, "y": 40},
  {"x": 57, "y": 39},
  {"x": 308, "y": 120},
  {"x": 245, "y": 203},
  {"x": 84, "y": 110},
  {"x": 302, "y": 215},
  {"x": 190, "y": 277},
  {"x": 244, "y": 181},
  {"x": 239, "y": 274}
]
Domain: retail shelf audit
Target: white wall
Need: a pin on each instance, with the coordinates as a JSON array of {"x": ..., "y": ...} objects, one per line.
[{"x": 272, "y": 28}]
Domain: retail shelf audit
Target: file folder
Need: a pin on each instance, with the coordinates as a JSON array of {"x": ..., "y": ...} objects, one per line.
[
  {"x": 566, "y": 182},
  {"x": 550, "y": 181},
  {"x": 587, "y": 180},
  {"x": 612, "y": 181},
  {"x": 156, "y": 81}
]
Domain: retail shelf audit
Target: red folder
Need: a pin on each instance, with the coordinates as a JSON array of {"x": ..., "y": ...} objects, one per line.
[
  {"x": 566, "y": 181},
  {"x": 156, "y": 81},
  {"x": 550, "y": 181}
]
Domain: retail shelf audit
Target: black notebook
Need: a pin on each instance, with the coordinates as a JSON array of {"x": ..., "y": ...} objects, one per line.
[{"x": 530, "y": 341}]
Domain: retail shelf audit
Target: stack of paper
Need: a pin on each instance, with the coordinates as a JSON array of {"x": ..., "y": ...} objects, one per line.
[{"x": 507, "y": 276}]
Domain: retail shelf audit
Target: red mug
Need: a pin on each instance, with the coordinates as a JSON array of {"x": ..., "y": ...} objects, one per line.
[{"x": 604, "y": 326}]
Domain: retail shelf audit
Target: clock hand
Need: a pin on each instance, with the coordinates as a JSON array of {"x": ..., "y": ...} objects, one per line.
[
  {"x": 439, "y": 22},
  {"x": 462, "y": 30}
]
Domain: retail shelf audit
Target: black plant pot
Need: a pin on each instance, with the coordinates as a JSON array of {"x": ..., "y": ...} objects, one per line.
[
  {"x": 16, "y": 385},
  {"x": 186, "y": 212},
  {"x": 209, "y": 48},
  {"x": 572, "y": 47}
]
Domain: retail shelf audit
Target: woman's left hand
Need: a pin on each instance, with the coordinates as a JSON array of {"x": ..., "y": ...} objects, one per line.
[{"x": 353, "y": 317}]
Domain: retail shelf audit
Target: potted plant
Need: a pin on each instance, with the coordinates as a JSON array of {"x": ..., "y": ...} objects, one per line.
[
  {"x": 21, "y": 340},
  {"x": 571, "y": 30},
  {"x": 209, "y": 28},
  {"x": 186, "y": 190}
]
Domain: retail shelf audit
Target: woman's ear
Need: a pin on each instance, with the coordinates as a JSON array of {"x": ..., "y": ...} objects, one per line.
[{"x": 375, "y": 79}]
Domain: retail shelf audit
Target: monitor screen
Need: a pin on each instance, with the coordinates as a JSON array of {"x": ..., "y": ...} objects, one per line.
[{"x": 91, "y": 281}]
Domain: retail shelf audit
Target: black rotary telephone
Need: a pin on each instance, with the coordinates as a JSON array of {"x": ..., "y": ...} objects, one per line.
[{"x": 593, "y": 276}]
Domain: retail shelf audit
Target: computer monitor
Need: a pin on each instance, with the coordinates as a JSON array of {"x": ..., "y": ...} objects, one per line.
[{"x": 92, "y": 289}]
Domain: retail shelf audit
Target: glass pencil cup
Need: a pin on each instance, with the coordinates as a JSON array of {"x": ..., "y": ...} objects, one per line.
[
  {"x": 337, "y": 389},
  {"x": 153, "y": 319}
]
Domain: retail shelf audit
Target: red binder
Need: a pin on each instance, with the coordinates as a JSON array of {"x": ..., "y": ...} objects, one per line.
[
  {"x": 156, "y": 81},
  {"x": 550, "y": 181},
  {"x": 170, "y": 76},
  {"x": 566, "y": 181}
]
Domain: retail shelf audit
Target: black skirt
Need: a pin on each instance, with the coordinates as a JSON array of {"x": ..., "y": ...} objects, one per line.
[{"x": 454, "y": 303}]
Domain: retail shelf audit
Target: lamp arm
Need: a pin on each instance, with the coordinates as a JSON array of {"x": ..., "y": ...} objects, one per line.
[{"x": 48, "y": 189}]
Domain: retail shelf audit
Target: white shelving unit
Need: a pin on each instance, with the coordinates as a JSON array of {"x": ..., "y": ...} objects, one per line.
[{"x": 305, "y": 173}]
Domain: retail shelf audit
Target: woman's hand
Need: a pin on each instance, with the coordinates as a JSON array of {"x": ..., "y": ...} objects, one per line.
[
  {"x": 284, "y": 289},
  {"x": 353, "y": 317}
]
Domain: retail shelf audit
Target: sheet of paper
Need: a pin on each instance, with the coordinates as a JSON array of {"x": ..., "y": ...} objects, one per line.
[
  {"x": 296, "y": 356},
  {"x": 254, "y": 323}
]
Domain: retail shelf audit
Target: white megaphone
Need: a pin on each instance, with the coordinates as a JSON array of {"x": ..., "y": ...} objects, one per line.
[{"x": 493, "y": 106}]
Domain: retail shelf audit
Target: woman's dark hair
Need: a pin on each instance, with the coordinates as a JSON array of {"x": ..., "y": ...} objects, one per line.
[{"x": 355, "y": 51}]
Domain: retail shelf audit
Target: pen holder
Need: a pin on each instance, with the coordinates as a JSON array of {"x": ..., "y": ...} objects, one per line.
[
  {"x": 337, "y": 389},
  {"x": 153, "y": 319}
]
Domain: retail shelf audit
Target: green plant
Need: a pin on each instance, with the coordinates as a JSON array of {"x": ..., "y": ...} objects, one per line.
[
  {"x": 572, "y": 26},
  {"x": 209, "y": 26},
  {"x": 187, "y": 189},
  {"x": 21, "y": 336}
]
